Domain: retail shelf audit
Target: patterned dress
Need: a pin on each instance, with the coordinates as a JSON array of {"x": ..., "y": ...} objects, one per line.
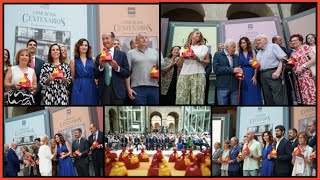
[
  {"x": 21, "y": 96},
  {"x": 307, "y": 84},
  {"x": 56, "y": 91}
]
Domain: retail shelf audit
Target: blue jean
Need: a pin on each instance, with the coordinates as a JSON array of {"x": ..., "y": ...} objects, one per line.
[
  {"x": 250, "y": 172},
  {"x": 146, "y": 95},
  {"x": 226, "y": 96}
]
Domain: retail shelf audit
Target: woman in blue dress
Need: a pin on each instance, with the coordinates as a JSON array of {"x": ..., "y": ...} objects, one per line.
[
  {"x": 250, "y": 93},
  {"x": 63, "y": 152},
  {"x": 267, "y": 161},
  {"x": 84, "y": 91}
]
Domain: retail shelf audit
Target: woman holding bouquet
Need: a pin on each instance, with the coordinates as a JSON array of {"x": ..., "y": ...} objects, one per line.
[
  {"x": 56, "y": 76},
  {"x": 193, "y": 60},
  {"x": 63, "y": 151},
  {"x": 20, "y": 81}
]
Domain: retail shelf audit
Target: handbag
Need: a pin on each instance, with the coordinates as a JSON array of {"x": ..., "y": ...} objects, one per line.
[{"x": 312, "y": 69}]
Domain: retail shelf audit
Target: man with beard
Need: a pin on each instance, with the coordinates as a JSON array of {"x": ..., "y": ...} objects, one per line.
[
  {"x": 282, "y": 166},
  {"x": 81, "y": 160},
  {"x": 292, "y": 134}
]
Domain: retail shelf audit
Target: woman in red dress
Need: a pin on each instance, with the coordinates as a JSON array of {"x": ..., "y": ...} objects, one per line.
[{"x": 304, "y": 58}]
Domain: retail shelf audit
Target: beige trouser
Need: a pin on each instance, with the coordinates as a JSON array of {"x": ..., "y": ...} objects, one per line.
[{"x": 191, "y": 89}]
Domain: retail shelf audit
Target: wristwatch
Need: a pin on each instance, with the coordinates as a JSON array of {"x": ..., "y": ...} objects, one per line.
[{"x": 304, "y": 66}]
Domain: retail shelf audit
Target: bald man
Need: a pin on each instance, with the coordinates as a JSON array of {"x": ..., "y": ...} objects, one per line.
[
  {"x": 251, "y": 160},
  {"x": 97, "y": 152},
  {"x": 112, "y": 74}
]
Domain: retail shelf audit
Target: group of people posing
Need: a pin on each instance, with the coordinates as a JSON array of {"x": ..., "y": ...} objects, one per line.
[
  {"x": 262, "y": 73},
  {"x": 113, "y": 79},
  {"x": 60, "y": 158},
  {"x": 272, "y": 156}
]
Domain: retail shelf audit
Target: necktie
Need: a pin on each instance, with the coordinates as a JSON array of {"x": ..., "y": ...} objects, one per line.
[
  {"x": 106, "y": 73},
  {"x": 94, "y": 137},
  {"x": 78, "y": 142},
  {"x": 230, "y": 60},
  {"x": 32, "y": 62}
]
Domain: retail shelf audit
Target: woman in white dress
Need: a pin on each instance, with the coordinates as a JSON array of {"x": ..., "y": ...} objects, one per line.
[
  {"x": 302, "y": 162},
  {"x": 45, "y": 157}
]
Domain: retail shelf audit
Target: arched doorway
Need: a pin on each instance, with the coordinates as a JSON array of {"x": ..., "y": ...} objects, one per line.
[
  {"x": 113, "y": 119},
  {"x": 155, "y": 121},
  {"x": 241, "y": 11},
  {"x": 298, "y": 8},
  {"x": 173, "y": 121},
  {"x": 183, "y": 12}
]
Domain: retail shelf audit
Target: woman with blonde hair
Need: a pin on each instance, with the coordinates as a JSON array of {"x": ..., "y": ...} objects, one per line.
[
  {"x": 191, "y": 82},
  {"x": 225, "y": 157},
  {"x": 17, "y": 94},
  {"x": 45, "y": 156}
]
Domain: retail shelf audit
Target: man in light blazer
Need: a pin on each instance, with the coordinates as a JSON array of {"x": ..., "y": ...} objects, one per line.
[
  {"x": 36, "y": 64},
  {"x": 111, "y": 86},
  {"x": 216, "y": 167},
  {"x": 81, "y": 159}
]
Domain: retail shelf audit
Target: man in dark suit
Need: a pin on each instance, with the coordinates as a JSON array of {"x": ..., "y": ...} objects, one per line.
[
  {"x": 282, "y": 166},
  {"x": 13, "y": 166},
  {"x": 36, "y": 64},
  {"x": 37, "y": 143},
  {"x": 292, "y": 134},
  {"x": 312, "y": 127},
  {"x": 136, "y": 142},
  {"x": 5, "y": 159},
  {"x": 112, "y": 75},
  {"x": 225, "y": 65},
  {"x": 216, "y": 166},
  {"x": 149, "y": 142},
  {"x": 234, "y": 165},
  {"x": 124, "y": 141},
  {"x": 98, "y": 151},
  {"x": 81, "y": 160}
]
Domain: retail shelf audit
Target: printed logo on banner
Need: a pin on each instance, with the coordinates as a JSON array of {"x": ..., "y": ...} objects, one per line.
[
  {"x": 250, "y": 27},
  {"x": 132, "y": 11},
  {"x": 23, "y": 122},
  {"x": 68, "y": 111}
]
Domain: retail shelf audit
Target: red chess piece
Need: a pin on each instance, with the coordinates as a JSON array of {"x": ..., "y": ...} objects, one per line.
[
  {"x": 131, "y": 161},
  {"x": 182, "y": 162}
]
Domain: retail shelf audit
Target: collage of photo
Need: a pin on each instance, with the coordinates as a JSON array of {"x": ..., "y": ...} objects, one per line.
[{"x": 165, "y": 89}]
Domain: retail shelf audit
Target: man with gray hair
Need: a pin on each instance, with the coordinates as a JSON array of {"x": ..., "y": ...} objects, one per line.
[
  {"x": 270, "y": 56},
  {"x": 225, "y": 65},
  {"x": 13, "y": 166},
  {"x": 251, "y": 159},
  {"x": 234, "y": 164}
]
